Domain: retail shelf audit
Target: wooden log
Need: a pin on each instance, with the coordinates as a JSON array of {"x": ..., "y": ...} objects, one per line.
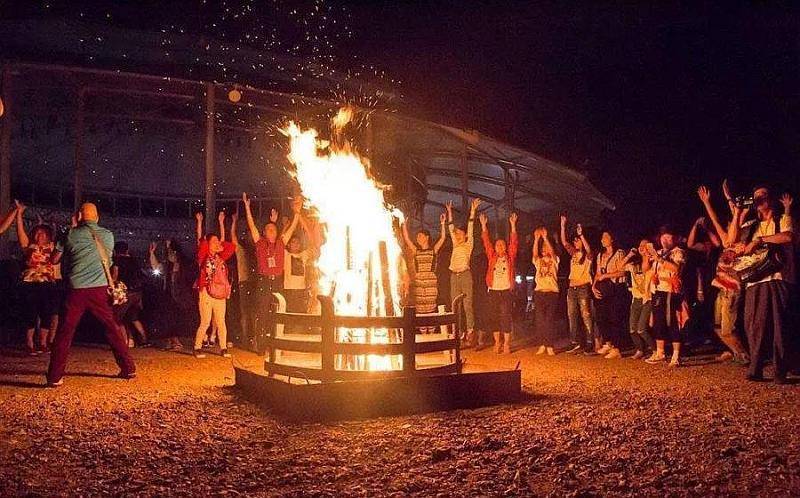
[
  {"x": 328, "y": 333},
  {"x": 383, "y": 254}
]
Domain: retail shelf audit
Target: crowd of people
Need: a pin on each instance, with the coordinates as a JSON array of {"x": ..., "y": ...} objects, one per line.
[{"x": 735, "y": 276}]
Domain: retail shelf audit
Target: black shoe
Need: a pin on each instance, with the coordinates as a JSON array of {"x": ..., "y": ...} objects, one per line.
[
  {"x": 755, "y": 378},
  {"x": 780, "y": 379},
  {"x": 126, "y": 376}
]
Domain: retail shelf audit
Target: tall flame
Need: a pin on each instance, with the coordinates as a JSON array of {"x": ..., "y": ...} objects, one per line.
[{"x": 357, "y": 221}]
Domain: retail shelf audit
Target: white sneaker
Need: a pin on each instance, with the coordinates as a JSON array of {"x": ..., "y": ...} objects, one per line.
[
  {"x": 551, "y": 352},
  {"x": 575, "y": 349},
  {"x": 541, "y": 350},
  {"x": 638, "y": 355},
  {"x": 655, "y": 358},
  {"x": 605, "y": 349},
  {"x": 675, "y": 362},
  {"x": 725, "y": 356},
  {"x": 613, "y": 354}
]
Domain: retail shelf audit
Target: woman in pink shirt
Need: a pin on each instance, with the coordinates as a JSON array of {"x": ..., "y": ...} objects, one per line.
[{"x": 213, "y": 284}]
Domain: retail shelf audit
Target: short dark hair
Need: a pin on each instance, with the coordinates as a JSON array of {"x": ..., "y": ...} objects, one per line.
[
  {"x": 121, "y": 247},
  {"x": 44, "y": 228}
]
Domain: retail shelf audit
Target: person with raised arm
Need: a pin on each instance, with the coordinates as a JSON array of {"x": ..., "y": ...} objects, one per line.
[
  {"x": 213, "y": 285},
  {"x": 424, "y": 257},
  {"x": 246, "y": 283},
  {"x": 8, "y": 219},
  {"x": 639, "y": 264},
  {"x": 500, "y": 279},
  {"x": 546, "y": 294},
  {"x": 725, "y": 280},
  {"x": 39, "y": 282},
  {"x": 767, "y": 301},
  {"x": 460, "y": 270},
  {"x": 177, "y": 304},
  {"x": 87, "y": 253},
  {"x": 579, "y": 294},
  {"x": 270, "y": 253}
]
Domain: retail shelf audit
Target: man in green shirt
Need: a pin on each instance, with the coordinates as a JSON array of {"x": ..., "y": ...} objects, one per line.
[{"x": 87, "y": 291}]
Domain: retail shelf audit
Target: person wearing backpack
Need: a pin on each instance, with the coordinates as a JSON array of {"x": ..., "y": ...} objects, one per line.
[{"x": 213, "y": 284}]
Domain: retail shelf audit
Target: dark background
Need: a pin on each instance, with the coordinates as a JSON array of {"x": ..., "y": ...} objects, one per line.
[{"x": 650, "y": 100}]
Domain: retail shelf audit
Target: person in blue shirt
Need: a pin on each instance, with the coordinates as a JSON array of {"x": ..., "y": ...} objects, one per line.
[{"x": 88, "y": 284}]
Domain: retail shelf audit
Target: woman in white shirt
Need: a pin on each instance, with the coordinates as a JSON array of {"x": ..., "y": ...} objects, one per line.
[
  {"x": 610, "y": 297},
  {"x": 640, "y": 269},
  {"x": 579, "y": 294},
  {"x": 546, "y": 294}
]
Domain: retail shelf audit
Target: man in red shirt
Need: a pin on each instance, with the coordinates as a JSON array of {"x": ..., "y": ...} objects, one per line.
[{"x": 270, "y": 249}]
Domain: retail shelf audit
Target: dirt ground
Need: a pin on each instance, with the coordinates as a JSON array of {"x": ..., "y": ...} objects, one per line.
[{"x": 588, "y": 427}]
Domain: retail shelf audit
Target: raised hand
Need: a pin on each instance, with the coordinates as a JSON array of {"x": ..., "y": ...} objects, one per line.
[
  {"x": 786, "y": 200},
  {"x": 221, "y": 217},
  {"x": 704, "y": 194},
  {"x": 513, "y": 219},
  {"x": 235, "y": 216},
  {"x": 475, "y": 204},
  {"x": 483, "y": 219},
  {"x": 563, "y": 220},
  {"x": 701, "y": 221},
  {"x": 443, "y": 219},
  {"x": 273, "y": 215},
  {"x": 726, "y": 189},
  {"x": 152, "y": 247},
  {"x": 245, "y": 200},
  {"x": 579, "y": 230},
  {"x": 198, "y": 216},
  {"x": 297, "y": 204},
  {"x": 20, "y": 206}
]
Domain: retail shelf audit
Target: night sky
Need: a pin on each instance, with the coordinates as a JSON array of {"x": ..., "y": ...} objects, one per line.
[{"x": 650, "y": 100}]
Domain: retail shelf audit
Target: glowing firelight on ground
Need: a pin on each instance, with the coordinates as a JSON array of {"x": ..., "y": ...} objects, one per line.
[{"x": 335, "y": 181}]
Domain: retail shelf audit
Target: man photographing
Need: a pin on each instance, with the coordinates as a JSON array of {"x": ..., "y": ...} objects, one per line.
[{"x": 86, "y": 266}]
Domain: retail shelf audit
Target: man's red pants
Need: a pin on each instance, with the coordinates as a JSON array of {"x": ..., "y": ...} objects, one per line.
[{"x": 96, "y": 301}]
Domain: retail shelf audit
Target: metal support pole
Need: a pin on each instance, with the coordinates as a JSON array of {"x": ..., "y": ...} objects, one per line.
[
  {"x": 78, "y": 174},
  {"x": 464, "y": 181},
  {"x": 208, "y": 156},
  {"x": 5, "y": 153}
]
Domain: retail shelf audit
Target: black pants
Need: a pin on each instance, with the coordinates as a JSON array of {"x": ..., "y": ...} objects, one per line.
[
  {"x": 610, "y": 313},
  {"x": 296, "y": 302},
  {"x": 665, "y": 316},
  {"x": 499, "y": 313},
  {"x": 265, "y": 324},
  {"x": 768, "y": 326},
  {"x": 546, "y": 317}
]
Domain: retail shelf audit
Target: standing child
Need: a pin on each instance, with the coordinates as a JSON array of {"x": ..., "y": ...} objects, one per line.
[{"x": 546, "y": 295}]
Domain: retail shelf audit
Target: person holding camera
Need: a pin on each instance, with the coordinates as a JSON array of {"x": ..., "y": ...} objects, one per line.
[
  {"x": 639, "y": 265},
  {"x": 86, "y": 267},
  {"x": 669, "y": 308},
  {"x": 726, "y": 281},
  {"x": 766, "y": 306}
]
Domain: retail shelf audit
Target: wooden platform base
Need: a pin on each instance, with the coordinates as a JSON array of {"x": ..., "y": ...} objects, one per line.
[{"x": 379, "y": 397}]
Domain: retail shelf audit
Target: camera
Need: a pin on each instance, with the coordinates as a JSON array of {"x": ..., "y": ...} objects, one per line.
[{"x": 743, "y": 201}]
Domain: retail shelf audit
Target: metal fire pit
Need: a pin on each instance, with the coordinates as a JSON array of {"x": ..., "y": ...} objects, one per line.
[{"x": 303, "y": 377}]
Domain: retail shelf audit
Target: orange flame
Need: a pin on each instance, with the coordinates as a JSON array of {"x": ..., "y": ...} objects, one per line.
[{"x": 335, "y": 181}]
